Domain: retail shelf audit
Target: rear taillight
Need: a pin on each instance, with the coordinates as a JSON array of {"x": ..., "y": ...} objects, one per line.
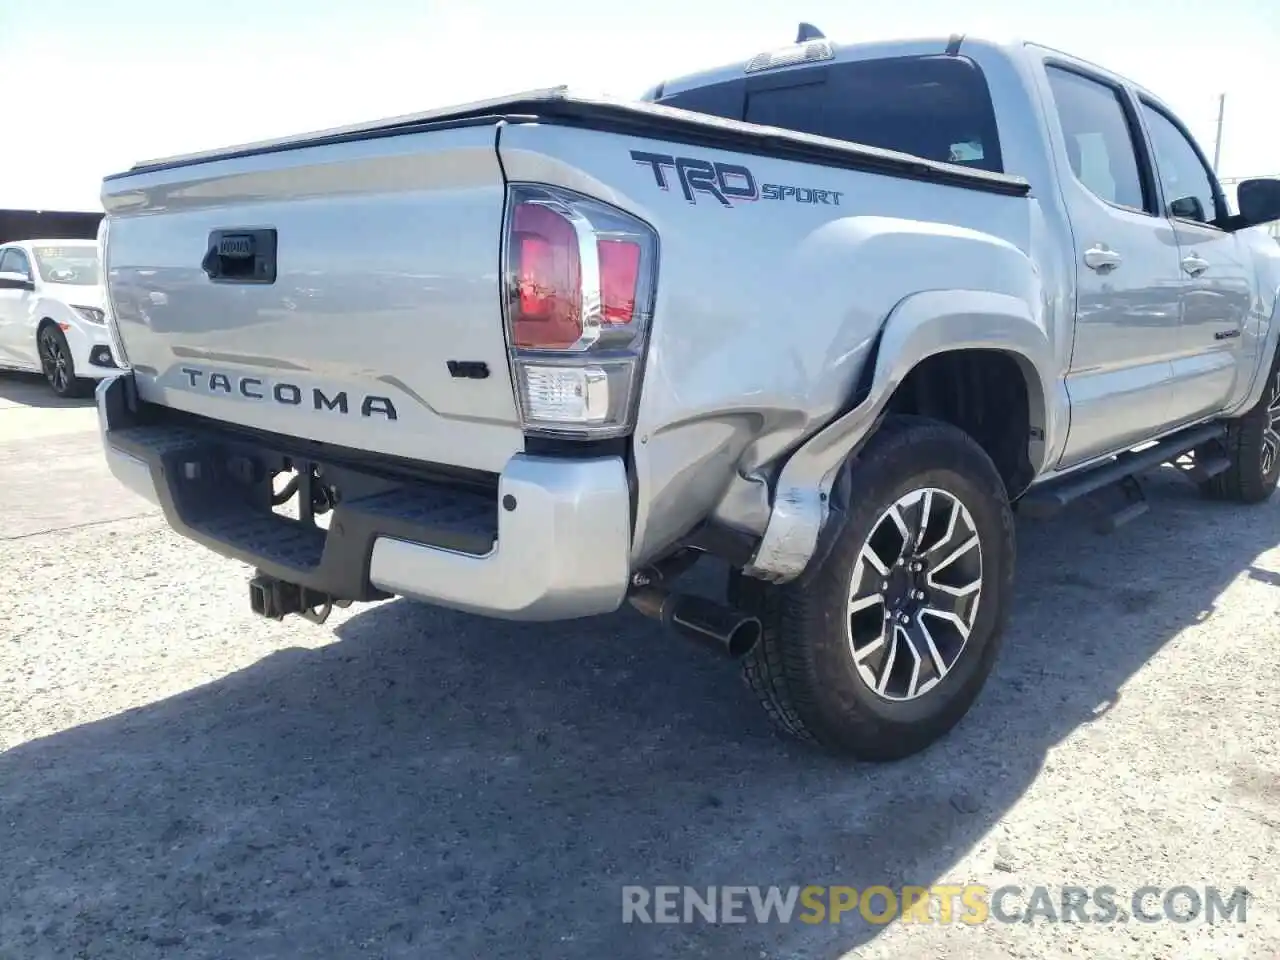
[
  {"x": 579, "y": 280},
  {"x": 548, "y": 276}
]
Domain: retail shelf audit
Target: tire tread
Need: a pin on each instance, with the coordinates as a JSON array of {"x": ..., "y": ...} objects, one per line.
[{"x": 782, "y": 670}]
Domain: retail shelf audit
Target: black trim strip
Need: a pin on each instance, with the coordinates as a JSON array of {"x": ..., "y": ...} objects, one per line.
[
  {"x": 811, "y": 150},
  {"x": 383, "y": 465},
  {"x": 652, "y": 121},
  {"x": 318, "y": 140}
]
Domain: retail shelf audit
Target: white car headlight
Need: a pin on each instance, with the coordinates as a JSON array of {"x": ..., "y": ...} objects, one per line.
[{"x": 92, "y": 314}]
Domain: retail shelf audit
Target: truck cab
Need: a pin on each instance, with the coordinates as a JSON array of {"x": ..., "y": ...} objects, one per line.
[{"x": 1156, "y": 290}]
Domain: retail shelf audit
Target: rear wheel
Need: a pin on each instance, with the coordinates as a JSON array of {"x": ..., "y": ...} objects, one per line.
[
  {"x": 882, "y": 648},
  {"x": 1253, "y": 447},
  {"x": 57, "y": 365}
]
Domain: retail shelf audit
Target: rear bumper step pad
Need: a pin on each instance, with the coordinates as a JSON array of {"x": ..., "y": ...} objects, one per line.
[{"x": 552, "y": 541}]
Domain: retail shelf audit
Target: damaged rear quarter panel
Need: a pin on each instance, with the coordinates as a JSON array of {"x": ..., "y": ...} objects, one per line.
[{"x": 766, "y": 310}]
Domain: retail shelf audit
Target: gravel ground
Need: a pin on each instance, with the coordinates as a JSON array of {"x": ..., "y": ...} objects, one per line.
[{"x": 178, "y": 778}]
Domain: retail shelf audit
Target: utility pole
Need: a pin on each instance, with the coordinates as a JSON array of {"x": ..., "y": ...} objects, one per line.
[{"x": 1217, "y": 140}]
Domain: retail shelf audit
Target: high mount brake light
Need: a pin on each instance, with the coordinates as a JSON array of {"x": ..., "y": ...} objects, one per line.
[{"x": 579, "y": 279}]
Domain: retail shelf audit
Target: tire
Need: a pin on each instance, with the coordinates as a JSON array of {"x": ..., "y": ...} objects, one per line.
[
  {"x": 57, "y": 365},
  {"x": 803, "y": 669},
  {"x": 1253, "y": 447}
]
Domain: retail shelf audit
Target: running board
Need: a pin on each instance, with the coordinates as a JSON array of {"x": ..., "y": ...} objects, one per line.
[
  {"x": 1050, "y": 497},
  {"x": 1200, "y": 472}
]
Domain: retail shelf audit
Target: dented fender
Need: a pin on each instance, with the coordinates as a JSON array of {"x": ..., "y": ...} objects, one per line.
[{"x": 920, "y": 326}]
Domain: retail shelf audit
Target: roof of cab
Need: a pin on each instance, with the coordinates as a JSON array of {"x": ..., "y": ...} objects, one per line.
[
  {"x": 839, "y": 52},
  {"x": 955, "y": 43}
]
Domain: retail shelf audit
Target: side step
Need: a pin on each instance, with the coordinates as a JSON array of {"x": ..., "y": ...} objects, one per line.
[
  {"x": 1052, "y": 496},
  {"x": 1134, "y": 500},
  {"x": 1200, "y": 472}
]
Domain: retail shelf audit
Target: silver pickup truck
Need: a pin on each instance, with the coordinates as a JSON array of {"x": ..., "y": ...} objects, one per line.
[{"x": 830, "y": 315}]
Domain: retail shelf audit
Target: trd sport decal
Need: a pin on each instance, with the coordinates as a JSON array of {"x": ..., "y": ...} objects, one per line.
[{"x": 726, "y": 182}]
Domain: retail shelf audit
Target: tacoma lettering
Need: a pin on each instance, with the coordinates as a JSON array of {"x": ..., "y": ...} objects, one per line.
[{"x": 288, "y": 394}]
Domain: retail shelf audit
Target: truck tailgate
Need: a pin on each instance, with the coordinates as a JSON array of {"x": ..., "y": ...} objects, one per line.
[{"x": 382, "y": 328}]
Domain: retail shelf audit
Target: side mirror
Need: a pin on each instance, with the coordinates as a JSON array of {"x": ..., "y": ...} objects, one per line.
[
  {"x": 1258, "y": 200},
  {"x": 16, "y": 281},
  {"x": 1187, "y": 208}
]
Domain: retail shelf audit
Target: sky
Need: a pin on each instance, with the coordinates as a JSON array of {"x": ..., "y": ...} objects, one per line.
[{"x": 108, "y": 83}]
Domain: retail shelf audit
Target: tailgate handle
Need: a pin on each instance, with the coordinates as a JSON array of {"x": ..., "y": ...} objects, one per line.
[{"x": 241, "y": 256}]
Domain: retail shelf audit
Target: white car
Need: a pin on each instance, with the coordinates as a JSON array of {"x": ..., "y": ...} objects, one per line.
[{"x": 53, "y": 313}]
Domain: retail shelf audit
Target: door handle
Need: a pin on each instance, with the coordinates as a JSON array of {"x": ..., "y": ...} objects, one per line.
[
  {"x": 1194, "y": 264},
  {"x": 1101, "y": 258},
  {"x": 241, "y": 256}
]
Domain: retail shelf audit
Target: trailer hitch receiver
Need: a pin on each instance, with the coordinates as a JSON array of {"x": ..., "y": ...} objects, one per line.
[{"x": 276, "y": 599}]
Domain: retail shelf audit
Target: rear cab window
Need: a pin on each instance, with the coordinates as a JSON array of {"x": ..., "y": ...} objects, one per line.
[{"x": 934, "y": 107}]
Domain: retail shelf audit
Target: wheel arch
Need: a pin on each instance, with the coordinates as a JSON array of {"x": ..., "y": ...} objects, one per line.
[
  {"x": 993, "y": 395},
  {"x": 959, "y": 326},
  {"x": 923, "y": 331}
]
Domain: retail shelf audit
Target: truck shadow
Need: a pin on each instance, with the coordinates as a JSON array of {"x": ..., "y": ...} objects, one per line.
[{"x": 436, "y": 785}]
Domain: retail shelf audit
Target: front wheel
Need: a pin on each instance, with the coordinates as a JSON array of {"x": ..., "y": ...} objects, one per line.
[
  {"x": 1253, "y": 447},
  {"x": 882, "y": 648},
  {"x": 57, "y": 365}
]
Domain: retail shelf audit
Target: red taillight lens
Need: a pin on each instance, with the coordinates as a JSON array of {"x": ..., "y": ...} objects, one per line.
[
  {"x": 619, "y": 274},
  {"x": 579, "y": 277},
  {"x": 548, "y": 278},
  {"x": 548, "y": 271}
]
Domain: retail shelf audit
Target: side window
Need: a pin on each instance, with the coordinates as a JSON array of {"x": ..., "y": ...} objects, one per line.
[
  {"x": 17, "y": 262},
  {"x": 1189, "y": 191},
  {"x": 1099, "y": 140}
]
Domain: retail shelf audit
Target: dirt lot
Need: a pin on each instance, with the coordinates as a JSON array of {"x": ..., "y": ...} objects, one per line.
[{"x": 178, "y": 778}]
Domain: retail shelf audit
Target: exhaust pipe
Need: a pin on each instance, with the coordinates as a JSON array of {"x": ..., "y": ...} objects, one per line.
[{"x": 723, "y": 629}]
